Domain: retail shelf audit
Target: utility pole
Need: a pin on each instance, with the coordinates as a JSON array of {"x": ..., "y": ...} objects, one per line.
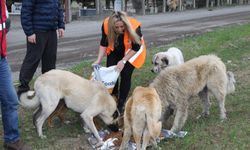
[
  {"x": 68, "y": 15},
  {"x": 143, "y": 7},
  {"x": 164, "y": 6},
  {"x": 97, "y": 6}
]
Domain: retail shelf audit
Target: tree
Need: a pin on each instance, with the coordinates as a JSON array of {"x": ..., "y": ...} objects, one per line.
[{"x": 139, "y": 6}]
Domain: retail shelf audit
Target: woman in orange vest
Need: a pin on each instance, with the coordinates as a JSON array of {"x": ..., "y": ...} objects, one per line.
[{"x": 124, "y": 46}]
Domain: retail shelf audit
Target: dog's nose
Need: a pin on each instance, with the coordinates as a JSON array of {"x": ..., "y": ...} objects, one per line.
[{"x": 152, "y": 70}]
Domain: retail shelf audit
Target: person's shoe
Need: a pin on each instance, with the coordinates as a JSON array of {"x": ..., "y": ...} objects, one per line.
[
  {"x": 30, "y": 94},
  {"x": 121, "y": 110},
  {"x": 18, "y": 95},
  {"x": 120, "y": 106},
  {"x": 22, "y": 89},
  {"x": 18, "y": 145},
  {"x": 113, "y": 127}
]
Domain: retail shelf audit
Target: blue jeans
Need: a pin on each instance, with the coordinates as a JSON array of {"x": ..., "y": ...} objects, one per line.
[{"x": 9, "y": 104}]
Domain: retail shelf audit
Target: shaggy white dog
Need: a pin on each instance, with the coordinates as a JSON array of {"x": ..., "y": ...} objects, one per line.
[
  {"x": 172, "y": 57},
  {"x": 176, "y": 85}
]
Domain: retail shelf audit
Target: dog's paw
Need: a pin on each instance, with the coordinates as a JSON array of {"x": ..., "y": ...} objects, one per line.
[
  {"x": 99, "y": 144},
  {"x": 223, "y": 119},
  {"x": 202, "y": 115},
  {"x": 173, "y": 130},
  {"x": 86, "y": 129},
  {"x": 198, "y": 117},
  {"x": 43, "y": 136}
]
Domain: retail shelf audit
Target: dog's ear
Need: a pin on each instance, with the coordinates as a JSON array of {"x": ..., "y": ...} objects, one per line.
[
  {"x": 154, "y": 59},
  {"x": 165, "y": 60}
]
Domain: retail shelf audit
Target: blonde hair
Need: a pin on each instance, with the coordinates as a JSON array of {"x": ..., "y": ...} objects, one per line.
[{"x": 120, "y": 16}]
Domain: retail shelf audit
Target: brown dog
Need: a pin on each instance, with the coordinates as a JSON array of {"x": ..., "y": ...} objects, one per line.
[
  {"x": 59, "y": 112},
  {"x": 142, "y": 117}
]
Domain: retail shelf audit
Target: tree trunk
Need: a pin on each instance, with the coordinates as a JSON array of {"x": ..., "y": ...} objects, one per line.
[{"x": 138, "y": 6}]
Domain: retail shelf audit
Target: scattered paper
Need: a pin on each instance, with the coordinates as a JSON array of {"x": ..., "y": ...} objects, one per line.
[{"x": 109, "y": 143}]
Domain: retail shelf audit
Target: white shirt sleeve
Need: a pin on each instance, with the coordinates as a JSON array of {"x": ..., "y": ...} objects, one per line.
[{"x": 7, "y": 13}]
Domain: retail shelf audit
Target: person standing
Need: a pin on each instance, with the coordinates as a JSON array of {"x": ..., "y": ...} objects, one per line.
[
  {"x": 123, "y": 43},
  {"x": 41, "y": 21},
  {"x": 8, "y": 97}
]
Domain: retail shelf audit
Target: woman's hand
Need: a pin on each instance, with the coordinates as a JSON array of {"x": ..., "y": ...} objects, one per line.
[{"x": 97, "y": 62}]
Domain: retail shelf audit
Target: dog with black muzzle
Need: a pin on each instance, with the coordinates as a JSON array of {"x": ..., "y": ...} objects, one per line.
[
  {"x": 90, "y": 98},
  {"x": 172, "y": 57}
]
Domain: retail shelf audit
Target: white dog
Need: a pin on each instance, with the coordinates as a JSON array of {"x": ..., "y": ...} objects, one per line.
[
  {"x": 172, "y": 57},
  {"x": 90, "y": 98}
]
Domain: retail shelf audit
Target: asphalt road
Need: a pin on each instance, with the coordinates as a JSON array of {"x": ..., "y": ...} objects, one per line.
[{"x": 81, "y": 39}]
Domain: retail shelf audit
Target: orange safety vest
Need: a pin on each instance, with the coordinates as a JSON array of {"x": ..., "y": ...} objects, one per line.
[{"x": 139, "y": 58}]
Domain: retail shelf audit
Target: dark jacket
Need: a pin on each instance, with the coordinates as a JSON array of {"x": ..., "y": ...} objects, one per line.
[{"x": 41, "y": 16}]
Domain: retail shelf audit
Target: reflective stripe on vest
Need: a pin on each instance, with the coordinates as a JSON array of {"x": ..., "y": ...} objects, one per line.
[
  {"x": 139, "y": 58},
  {"x": 2, "y": 26}
]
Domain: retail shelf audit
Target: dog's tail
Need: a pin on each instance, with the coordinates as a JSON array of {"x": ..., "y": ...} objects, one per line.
[
  {"x": 154, "y": 126},
  {"x": 230, "y": 82},
  {"x": 29, "y": 100}
]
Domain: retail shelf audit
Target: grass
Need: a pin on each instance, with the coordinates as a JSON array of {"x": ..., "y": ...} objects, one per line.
[{"x": 232, "y": 45}]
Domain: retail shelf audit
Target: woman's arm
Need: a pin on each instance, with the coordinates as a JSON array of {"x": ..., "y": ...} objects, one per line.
[
  {"x": 102, "y": 51},
  {"x": 102, "y": 48}
]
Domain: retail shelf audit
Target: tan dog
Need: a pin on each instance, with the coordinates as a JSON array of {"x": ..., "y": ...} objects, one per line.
[
  {"x": 172, "y": 5},
  {"x": 142, "y": 117},
  {"x": 176, "y": 85},
  {"x": 61, "y": 110},
  {"x": 172, "y": 57},
  {"x": 90, "y": 98}
]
